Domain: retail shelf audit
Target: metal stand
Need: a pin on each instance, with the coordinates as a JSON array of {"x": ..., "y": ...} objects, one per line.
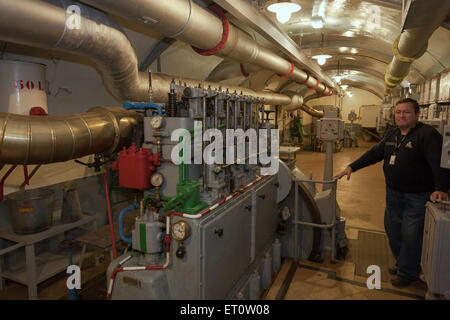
[{"x": 331, "y": 226}]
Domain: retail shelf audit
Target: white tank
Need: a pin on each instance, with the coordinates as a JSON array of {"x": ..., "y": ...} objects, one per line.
[{"x": 22, "y": 86}]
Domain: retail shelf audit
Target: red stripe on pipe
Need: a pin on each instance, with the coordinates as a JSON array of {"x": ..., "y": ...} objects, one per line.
[
  {"x": 287, "y": 75},
  {"x": 304, "y": 82},
  {"x": 316, "y": 86},
  {"x": 223, "y": 41}
]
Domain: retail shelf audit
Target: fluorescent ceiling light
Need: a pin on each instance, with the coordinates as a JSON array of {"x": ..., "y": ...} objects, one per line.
[
  {"x": 349, "y": 94},
  {"x": 354, "y": 51},
  {"x": 344, "y": 86},
  {"x": 343, "y": 49},
  {"x": 349, "y": 33},
  {"x": 317, "y": 22},
  {"x": 337, "y": 78},
  {"x": 284, "y": 10},
  {"x": 322, "y": 58}
]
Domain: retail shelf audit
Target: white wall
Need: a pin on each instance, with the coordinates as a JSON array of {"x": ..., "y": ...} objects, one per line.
[{"x": 360, "y": 97}]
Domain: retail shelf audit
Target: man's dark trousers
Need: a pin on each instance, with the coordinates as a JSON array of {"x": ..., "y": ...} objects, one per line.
[{"x": 404, "y": 221}]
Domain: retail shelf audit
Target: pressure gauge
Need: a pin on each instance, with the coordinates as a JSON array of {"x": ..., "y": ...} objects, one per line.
[
  {"x": 156, "y": 122},
  {"x": 181, "y": 231},
  {"x": 157, "y": 179},
  {"x": 285, "y": 213}
]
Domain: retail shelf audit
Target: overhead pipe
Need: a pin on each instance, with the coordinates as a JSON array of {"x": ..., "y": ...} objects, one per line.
[
  {"x": 40, "y": 140},
  {"x": 96, "y": 36},
  {"x": 37, "y": 140},
  {"x": 101, "y": 40},
  {"x": 188, "y": 22},
  {"x": 299, "y": 102},
  {"x": 412, "y": 43}
]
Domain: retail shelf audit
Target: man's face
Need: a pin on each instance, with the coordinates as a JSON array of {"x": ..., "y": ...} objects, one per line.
[{"x": 405, "y": 116}]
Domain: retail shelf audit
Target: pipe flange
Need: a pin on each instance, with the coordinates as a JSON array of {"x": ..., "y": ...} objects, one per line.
[
  {"x": 402, "y": 58},
  {"x": 388, "y": 77},
  {"x": 115, "y": 122}
]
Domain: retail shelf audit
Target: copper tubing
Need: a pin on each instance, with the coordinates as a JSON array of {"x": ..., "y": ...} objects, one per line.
[{"x": 40, "y": 140}]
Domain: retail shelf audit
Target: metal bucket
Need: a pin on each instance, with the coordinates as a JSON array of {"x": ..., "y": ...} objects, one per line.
[{"x": 31, "y": 211}]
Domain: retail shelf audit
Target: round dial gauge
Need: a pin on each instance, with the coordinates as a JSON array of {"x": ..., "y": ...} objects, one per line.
[
  {"x": 181, "y": 231},
  {"x": 157, "y": 179},
  {"x": 156, "y": 122},
  {"x": 285, "y": 213}
]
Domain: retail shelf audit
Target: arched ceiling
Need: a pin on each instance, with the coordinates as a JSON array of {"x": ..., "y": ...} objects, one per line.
[{"x": 358, "y": 34}]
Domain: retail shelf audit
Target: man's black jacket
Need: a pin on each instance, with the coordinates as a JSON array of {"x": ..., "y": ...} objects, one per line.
[{"x": 417, "y": 161}]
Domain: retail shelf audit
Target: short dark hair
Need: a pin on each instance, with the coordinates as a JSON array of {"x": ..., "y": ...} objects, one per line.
[{"x": 406, "y": 100}]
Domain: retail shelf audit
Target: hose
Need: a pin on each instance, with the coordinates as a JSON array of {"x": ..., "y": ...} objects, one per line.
[
  {"x": 108, "y": 206},
  {"x": 134, "y": 206}
]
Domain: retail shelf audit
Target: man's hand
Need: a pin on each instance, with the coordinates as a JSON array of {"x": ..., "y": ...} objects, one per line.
[
  {"x": 347, "y": 172},
  {"x": 439, "y": 196}
]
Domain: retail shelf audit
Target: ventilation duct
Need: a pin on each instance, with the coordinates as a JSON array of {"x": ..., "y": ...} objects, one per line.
[
  {"x": 39, "y": 140},
  {"x": 188, "y": 22},
  {"x": 412, "y": 43}
]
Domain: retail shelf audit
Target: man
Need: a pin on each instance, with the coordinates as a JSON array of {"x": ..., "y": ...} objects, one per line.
[{"x": 411, "y": 152}]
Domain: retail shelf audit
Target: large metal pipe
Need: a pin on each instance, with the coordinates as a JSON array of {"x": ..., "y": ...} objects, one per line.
[
  {"x": 411, "y": 44},
  {"x": 191, "y": 23},
  {"x": 96, "y": 36},
  {"x": 100, "y": 39},
  {"x": 160, "y": 83},
  {"x": 39, "y": 140},
  {"x": 36, "y": 140},
  {"x": 299, "y": 102}
]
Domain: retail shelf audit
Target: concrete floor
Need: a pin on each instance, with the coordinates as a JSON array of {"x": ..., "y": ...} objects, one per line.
[{"x": 361, "y": 200}]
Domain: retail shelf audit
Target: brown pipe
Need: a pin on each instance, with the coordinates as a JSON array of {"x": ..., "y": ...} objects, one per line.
[{"x": 40, "y": 140}]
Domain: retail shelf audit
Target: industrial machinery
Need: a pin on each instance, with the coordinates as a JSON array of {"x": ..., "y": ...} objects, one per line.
[{"x": 208, "y": 230}]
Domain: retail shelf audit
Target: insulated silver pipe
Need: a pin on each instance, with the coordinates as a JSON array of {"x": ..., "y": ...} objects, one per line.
[
  {"x": 422, "y": 19},
  {"x": 188, "y": 22},
  {"x": 97, "y": 36},
  {"x": 100, "y": 39},
  {"x": 40, "y": 140}
]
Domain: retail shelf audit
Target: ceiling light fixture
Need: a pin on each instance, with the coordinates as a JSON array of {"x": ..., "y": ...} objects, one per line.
[
  {"x": 354, "y": 51},
  {"x": 321, "y": 58},
  {"x": 349, "y": 33},
  {"x": 344, "y": 86},
  {"x": 317, "y": 22},
  {"x": 283, "y": 9}
]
